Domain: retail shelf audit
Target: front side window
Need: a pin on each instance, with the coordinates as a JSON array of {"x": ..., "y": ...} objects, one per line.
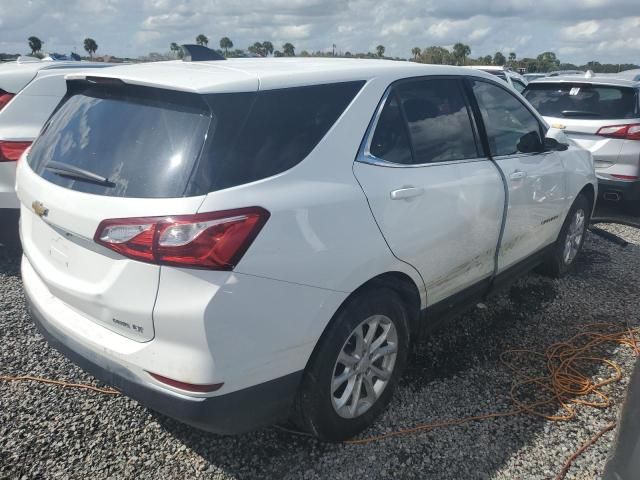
[{"x": 511, "y": 128}]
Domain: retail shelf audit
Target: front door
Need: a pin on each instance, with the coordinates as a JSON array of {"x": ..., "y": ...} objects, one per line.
[{"x": 535, "y": 178}]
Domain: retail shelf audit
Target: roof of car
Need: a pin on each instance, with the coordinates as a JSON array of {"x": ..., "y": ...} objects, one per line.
[
  {"x": 15, "y": 75},
  {"x": 489, "y": 67},
  {"x": 622, "y": 79},
  {"x": 250, "y": 74}
]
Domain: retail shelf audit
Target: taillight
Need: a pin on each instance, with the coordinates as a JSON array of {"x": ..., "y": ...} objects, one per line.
[
  {"x": 624, "y": 177},
  {"x": 11, "y": 151},
  {"x": 5, "y": 97},
  {"x": 189, "y": 387},
  {"x": 628, "y": 132},
  {"x": 215, "y": 241}
]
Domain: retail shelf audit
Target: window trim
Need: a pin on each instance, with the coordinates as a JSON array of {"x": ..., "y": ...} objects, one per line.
[
  {"x": 478, "y": 114},
  {"x": 365, "y": 155}
]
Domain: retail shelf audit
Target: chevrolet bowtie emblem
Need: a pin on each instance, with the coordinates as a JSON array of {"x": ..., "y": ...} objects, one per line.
[{"x": 40, "y": 209}]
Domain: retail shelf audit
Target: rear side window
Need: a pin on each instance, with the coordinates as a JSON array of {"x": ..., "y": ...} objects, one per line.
[
  {"x": 511, "y": 128},
  {"x": 390, "y": 140},
  {"x": 582, "y": 100},
  {"x": 283, "y": 127},
  {"x": 155, "y": 143},
  {"x": 439, "y": 121}
]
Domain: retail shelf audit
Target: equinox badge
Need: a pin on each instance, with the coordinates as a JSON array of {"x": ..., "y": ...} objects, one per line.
[{"x": 40, "y": 209}]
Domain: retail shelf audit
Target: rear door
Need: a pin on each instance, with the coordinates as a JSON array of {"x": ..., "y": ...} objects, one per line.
[
  {"x": 436, "y": 198},
  {"x": 535, "y": 178},
  {"x": 144, "y": 143}
]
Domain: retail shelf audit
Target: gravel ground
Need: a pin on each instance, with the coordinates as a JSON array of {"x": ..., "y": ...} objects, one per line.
[{"x": 50, "y": 432}]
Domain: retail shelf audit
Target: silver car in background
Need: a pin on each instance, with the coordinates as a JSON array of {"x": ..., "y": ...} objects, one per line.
[
  {"x": 513, "y": 79},
  {"x": 602, "y": 114}
]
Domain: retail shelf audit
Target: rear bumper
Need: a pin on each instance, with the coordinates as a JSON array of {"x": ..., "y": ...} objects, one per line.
[
  {"x": 627, "y": 190},
  {"x": 232, "y": 413}
]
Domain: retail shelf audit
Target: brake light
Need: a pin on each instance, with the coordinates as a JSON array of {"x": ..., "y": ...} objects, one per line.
[
  {"x": 628, "y": 132},
  {"x": 11, "y": 151},
  {"x": 214, "y": 241},
  {"x": 5, "y": 97},
  {"x": 625, "y": 177}
]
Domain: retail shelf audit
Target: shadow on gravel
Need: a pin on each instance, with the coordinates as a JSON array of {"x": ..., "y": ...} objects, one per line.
[
  {"x": 10, "y": 261},
  {"x": 474, "y": 340}
]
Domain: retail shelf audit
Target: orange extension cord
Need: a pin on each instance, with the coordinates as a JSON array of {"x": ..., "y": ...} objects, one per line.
[{"x": 565, "y": 385}]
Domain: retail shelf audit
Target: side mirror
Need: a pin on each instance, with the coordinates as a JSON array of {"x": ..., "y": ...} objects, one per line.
[{"x": 556, "y": 140}]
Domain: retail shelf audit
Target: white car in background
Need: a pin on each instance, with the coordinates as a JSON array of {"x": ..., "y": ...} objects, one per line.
[
  {"x": 235, "y": 242},
  {"x": 29, "y": 92},
  {"x": 513, "y": 79}
]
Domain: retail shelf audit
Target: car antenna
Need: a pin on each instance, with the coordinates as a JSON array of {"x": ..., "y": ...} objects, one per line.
[{"x": 199, "y": 53}]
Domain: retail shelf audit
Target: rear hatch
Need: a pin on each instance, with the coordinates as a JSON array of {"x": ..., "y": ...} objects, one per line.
[
  {"x": 585, "y": 110},
  {"x": 110, "y": 151}
]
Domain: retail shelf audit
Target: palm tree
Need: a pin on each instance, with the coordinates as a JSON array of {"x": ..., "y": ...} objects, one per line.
[
  {"x": 416, "y": 52},
  {"x": 512, "y": 57},
  {"x": 175, "y": 48},
  {"x": 90, "y": 46},
  {"x": 226, "y": 44},
  {"x": 267, "y": 48},
  {"x": 35, "y": 44},
  {"x": 460, "y": 52},
  {"x": 380, "y": 50},
  {"x": 288, "y": 50},
  {"x": 202, "y": 40}
]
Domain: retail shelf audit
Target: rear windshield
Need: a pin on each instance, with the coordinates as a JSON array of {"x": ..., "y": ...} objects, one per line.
[
  {"x": 582, "y": 101},
  {"x": 155, "y": 143}
]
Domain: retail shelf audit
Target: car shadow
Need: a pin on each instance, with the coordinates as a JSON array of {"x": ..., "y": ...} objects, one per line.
[
  {"x": 455, "y": 373},
  {"x": 10, "y": 261}
]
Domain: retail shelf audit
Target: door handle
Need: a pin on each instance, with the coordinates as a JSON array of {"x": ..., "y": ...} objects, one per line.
[
  {"x": 518, "y": 175},
  {"x": 406, "y": 192}
]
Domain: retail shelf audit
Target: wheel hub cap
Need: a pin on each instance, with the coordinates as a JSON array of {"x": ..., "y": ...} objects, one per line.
[
  {"x": 364, "y": 366},
  {"x": 574, "y": 236}
]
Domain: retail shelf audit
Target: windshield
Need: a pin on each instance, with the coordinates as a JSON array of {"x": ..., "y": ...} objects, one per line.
[{"x": 582, "y": 100}]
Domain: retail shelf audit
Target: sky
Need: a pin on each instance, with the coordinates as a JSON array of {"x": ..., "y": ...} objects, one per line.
[{"x": 576, "y": 30}]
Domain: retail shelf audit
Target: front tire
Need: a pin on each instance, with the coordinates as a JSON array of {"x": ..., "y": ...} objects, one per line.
[
  {"x": 570, "y": 240},
  {"x": 355, "y": 368}
]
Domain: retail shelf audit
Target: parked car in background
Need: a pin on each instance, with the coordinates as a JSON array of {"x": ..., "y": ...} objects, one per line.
[
  {"x": 532, "y": 76},
  {"x": 557, "y": 73},
  {"x": 29, "y": 92},
  {"x": 201, "y": 237},
  {"x": 602, "y": 114},
  {"x": 514, "y": 79}
]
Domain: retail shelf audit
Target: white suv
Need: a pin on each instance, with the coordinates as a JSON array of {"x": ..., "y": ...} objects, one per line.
[
  {"x": 29, "y": 92},
  {"x": 235, "y": 242}
]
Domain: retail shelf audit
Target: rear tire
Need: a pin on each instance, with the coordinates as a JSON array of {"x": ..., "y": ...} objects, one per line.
[
  {"x": 570, "y": 239},
  {"x": 355, "y": 367}
]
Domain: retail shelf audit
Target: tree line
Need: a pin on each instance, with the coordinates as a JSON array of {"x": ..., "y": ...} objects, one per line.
[
  {"x": 35, "y": 44},
  {"x": 460, "y": 54}
]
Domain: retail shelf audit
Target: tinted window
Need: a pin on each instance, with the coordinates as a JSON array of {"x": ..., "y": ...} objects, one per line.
[
  {"x": 584, "y": 101},
  {"x": 440, "y": 128},
  {"x": 518, "y": 85},
  {"x": 390, "y": 140},
  {"x": 144, "y": 141},
  {"x": 511, "y": 127},
  {"x": 283, "y": 127},
  {"x": 154, "y": 143}
]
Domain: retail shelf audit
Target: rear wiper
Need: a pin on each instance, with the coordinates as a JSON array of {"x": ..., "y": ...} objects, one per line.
[
  {"x": 66, "y": 170},
  {"x": 579, "y": 113}
]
